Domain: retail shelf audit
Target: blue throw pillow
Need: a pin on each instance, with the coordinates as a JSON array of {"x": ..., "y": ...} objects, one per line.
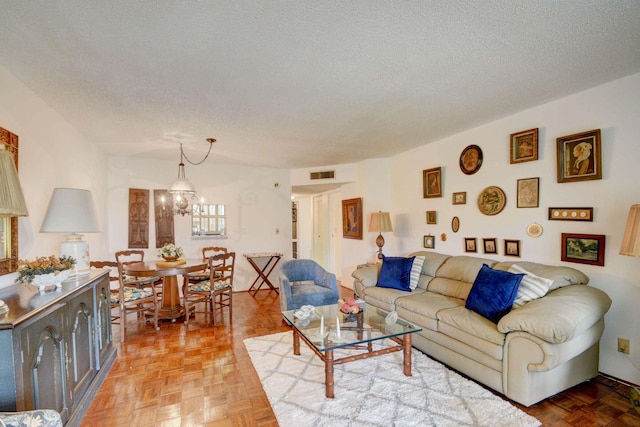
[
  {"x": 493, "y": 293},
  {"x": 395, "y": 273}
]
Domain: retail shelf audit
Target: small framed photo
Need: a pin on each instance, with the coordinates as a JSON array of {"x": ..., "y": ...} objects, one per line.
[
  {"x": 470, "y": 244},
  {"x": 571, "y": 214},
  {"x": 352, "y": 219},
  {"x": 455, "y": 224},
  {"x": 524, "y": 146},
  {"x": 512, "y": 247},
  {"x": 460, "y": 198},
  {"x": 431, "y": 217},
  {"x": 429, "y": 242},
  {"x": 490, "y": 245},
  {"x": 432, "y": 182},
  {"x": 583, "y": 248},
  {"x": 528, "y": 192},
  {"x": 471, "y": 159},
  {"x": 579, "y": 157}
]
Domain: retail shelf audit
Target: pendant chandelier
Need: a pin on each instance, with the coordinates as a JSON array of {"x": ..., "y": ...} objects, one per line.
[{"x": 182, "y": 190}]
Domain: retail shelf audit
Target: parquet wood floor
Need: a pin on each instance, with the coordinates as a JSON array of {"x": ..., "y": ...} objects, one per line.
[{"x": 201, "y": 375}]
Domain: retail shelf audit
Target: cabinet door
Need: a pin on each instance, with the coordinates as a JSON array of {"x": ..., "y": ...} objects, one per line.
[
  {"x": 103, "y": 335},
  {"x": 82, "y": 354},
  {"x": 44, "y": 362}
]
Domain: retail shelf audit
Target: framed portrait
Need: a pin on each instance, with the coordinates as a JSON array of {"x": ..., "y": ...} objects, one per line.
[
  {"x": 490, "y": 245},
  {"x": 512, "y": 247},
  {"x": 431, "y": 217},
  {"x": 583, "y": 248},
  {"x": 579, "y": 157},
  {"x": 432, "y": 182},
  {"x": 571, "y": 214},
  {"x": 471, "y": 159},
  {"x": 470, "y": 244},
  {"x": 460, "y": 198},
  {"x": 524, "y": 146},
  {"x": 429, "y": 242},
  {"x": 455, "y": 224},
  {"x": 352, "y": 219},
  {"x": 528, "y": 193}
]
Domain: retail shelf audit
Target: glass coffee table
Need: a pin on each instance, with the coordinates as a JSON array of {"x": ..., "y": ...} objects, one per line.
[{"x": 356, "y": 332}]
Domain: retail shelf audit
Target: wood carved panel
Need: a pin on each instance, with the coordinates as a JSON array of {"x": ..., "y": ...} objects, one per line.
[
  {"x": 163, "y": 211},
  {"x": 138, "y": 218}
]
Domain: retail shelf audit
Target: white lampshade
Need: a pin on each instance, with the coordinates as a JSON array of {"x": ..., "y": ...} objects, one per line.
[
  {"x": 73, "y": 211},
  {"x": 380, "y": 222},
  {"x": 631, "y": 238},
  {"x": 11, "y": 199}
]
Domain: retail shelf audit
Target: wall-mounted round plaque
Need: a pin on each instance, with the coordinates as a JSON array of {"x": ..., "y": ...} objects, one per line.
[
  {"x": 492, "y": 200},
  {"x": 471, "y": 159},
  {"x": 534, "y": 230}
]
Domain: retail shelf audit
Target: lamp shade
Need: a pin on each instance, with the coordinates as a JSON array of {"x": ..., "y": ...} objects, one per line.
[
  {"x": 380, "y": 222},
  {"x": 631, "y": 238},
  {"x": 71, "y": 210},
  {"x": 11, "y": 198}
]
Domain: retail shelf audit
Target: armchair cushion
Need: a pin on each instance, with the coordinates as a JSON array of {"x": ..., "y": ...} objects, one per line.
[{"x": 304, "y": 282}]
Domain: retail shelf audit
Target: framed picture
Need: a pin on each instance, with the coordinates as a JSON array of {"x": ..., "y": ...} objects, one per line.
[
  {"x": 579, "y": 157},
  {"x": 512, "y": 247},
  {"x": 455, "y": 224},
  {"x": 571, "y": 214},
  {"x": 471, "y": 159},
  {"x": 528, "y": 192},
  {"x": 492, "y": 200},
  {"x": 432, "y": 182},
  {"x": 490, "y": 245},
  {"x": 431, "y": 217},
  {"x": 583, "y": 248},
  {"x": 460, "y": 198},
  {"x": 524, "y": 146},
  {"x": 352, "y": 219},
  {"x": 429, "y": 242},
  {"x": 470, "y": 244}
]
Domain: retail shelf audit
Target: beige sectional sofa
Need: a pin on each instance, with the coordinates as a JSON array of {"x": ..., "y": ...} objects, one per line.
[{"x": 535, "y": 351}]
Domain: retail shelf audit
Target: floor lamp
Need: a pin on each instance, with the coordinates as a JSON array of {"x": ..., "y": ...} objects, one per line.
[
  {"x": 73, "y": 211},
  {"x": 380, "y": 222},
  {"x": 631, "y": 247}
]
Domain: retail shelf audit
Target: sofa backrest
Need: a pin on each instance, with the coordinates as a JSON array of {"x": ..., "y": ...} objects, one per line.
[
  {"x": 455, "y": 277},
  {"x": 561, "y": 275},
  {"x": 432, "y": 262}
]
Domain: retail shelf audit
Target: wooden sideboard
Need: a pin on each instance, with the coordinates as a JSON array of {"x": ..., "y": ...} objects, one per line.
[{"x": 55, "y": 347}]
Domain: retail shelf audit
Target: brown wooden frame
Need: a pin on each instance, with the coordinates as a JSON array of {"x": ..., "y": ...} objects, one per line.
[
  {"x": 10, "y": 264},
  {"x": 566, "y": 147},
  {"x": 459, "y": 198},
  {"x": 528, "y": 193},
  {"x": 435, "y": 188},
  {"x": 474, "y": 165},
  {"x": 470, "y": 244},
  {"x": 493, "y": 249},
  {"x": 511, "y": 244},
  {"x": 432, "y": 217},
  {"x": 570, "y": 214},
  {"x": 517, "y": 142},
  {"x": 429, "y": 242},
  {"x": 574, "y": 244},
  {"x": 353, "y": 231}
]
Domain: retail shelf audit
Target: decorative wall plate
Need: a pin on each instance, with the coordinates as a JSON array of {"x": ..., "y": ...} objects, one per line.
[
  {"x": 492, "y": 200},
  {"x": 471, "y": 159},
  {"x": 534, "y": 230}
]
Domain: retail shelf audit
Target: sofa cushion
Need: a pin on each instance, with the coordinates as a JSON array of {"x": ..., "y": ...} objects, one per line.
[
  {"x": 416, "y": 270},
  {"x": 532, "y": 286},
  {"x": 561, "y": 275},
  {"x": 493, "y": 293},
  {"x": 395, "y": 273},
  {"x": 422, "y": 308},
  {"x": 456, "y": 275},
  {"x": 385, "y": 298}
]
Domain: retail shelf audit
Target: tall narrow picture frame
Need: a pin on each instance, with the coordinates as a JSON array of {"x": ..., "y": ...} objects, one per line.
[
  {"x": 432, "y": 182},
  {"x": 528, "y": 193},
  {"x": 352, "y": 219},
  {"x": 579, "y": 157},
  {"x": 524, "y": 146}
]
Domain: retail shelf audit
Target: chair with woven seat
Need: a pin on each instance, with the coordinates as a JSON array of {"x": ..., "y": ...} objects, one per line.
[
  {"x": 305, "y": 282},
  {"x": 135, "y": 296},
  {"x": 112, "y": 266},
  {"x": 216, "y": 292},
  {"x": 199, "y": 276},
  {"x": 135, "y": 255}
]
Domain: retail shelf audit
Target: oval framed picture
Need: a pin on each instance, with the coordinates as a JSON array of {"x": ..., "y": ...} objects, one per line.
[
  {"x": 534, "y": 230},
  {"x": 455, "y": 224},
  {"x": 492, "y": 200},
  {"x": 471, "y": 159}
]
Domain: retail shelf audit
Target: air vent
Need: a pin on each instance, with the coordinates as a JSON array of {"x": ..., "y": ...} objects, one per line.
[{"x": 322, "y": 175}]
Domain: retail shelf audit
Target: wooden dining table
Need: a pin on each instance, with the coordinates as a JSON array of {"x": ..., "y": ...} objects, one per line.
[{"x": 171, "y": 308}]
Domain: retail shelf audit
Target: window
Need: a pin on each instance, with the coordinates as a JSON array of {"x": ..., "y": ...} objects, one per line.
[{"x": 208, "y": 220}]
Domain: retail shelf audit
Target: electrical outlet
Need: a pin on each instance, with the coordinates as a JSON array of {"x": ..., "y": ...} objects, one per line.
[{"x": 623, "y": 345}]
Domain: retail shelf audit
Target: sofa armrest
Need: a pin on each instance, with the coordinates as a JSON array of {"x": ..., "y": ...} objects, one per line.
[
  {"x": 367, "y": 275},
  {"x": 560, "y": 315}
]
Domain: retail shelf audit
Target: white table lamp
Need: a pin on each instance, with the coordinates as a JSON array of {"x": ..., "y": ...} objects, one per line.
[
  {"x": 380, "y": 222},
  {"x": 73, "y": 211}
]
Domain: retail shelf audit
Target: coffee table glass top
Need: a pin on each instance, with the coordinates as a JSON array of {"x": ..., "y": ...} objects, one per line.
[{"x": 364, "y": 327}]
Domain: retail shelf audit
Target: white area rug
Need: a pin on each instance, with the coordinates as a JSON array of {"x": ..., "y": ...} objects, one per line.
[{"x": 372, "y": 392}]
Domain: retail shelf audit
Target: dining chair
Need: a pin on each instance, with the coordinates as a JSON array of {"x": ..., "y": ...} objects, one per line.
[
  {"x": 216, "y": 291},
  {"x": 114, "y": 282},
  {"x": 131, "y": 256},
  {"x": 199, "y": 276},
  {"x": 135, "y": 296}
]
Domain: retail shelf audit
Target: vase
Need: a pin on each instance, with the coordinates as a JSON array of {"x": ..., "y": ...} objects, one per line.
[
  {"x": 49, "y": 279},
  {"x": 170, "y": 258}
]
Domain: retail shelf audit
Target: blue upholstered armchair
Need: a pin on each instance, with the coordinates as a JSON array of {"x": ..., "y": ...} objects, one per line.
[{"x": 303, "y": 281}]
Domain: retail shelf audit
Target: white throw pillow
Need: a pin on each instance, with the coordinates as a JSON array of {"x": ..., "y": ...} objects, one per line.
[
  {"x": 532, "y": 286},
  {"x": 416, "y": 269}
]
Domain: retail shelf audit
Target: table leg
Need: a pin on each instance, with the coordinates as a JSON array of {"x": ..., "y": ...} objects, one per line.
[
  {"x": 263, "y": 274},
  {"x": 171, "y": 308},
  {"x": 328, "y": 373},
  {"x": 296, "y": 342},
  {"x": 406, "y": 341}
]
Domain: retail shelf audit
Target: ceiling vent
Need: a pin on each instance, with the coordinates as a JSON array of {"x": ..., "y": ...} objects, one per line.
[{"x": 322, "y": 175}]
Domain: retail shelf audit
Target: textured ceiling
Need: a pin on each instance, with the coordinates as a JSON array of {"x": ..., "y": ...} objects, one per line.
[{"x": 306, "y": 83}]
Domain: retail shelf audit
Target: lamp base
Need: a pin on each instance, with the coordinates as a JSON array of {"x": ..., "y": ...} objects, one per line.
[
  {"x": 78, "y": 249},
  {"x": 380, "y": 244}
]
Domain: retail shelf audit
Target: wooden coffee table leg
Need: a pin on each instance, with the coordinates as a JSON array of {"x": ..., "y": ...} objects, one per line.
[
  {"x": 328, "y": 373},
  {"x": 406, "y": 340},
  {"x": 296, "y": 342}
]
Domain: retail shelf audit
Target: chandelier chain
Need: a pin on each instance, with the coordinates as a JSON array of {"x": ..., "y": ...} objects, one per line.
[{"x": 184, "y": 156}]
